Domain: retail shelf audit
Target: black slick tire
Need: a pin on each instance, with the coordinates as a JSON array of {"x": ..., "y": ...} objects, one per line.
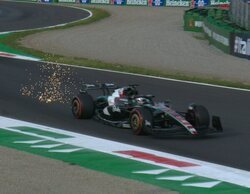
[
  {"x": 198, "y": 116},
  {"x": 83, "y": 106}
]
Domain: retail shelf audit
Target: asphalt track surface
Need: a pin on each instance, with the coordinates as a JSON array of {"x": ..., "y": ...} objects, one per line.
[
  {"x": 230, "y": 148},
  {"x": 20, "y": 16}
]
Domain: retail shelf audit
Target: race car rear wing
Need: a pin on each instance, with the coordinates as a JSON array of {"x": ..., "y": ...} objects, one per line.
[{"x": 105, "y": 87}]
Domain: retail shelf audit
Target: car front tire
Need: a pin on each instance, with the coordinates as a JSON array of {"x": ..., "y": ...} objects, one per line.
[{"x": 141, "y": 121}]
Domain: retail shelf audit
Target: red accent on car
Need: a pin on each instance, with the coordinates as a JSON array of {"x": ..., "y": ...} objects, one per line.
[
  {"x": 121, "y": 93},
  {"x": 155, "y": 158}
]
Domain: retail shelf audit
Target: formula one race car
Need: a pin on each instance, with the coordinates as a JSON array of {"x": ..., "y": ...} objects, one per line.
[{"x": 125, "y": 107}]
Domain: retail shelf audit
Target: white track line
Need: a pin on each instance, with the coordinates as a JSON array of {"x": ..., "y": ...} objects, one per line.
[
  {"x": 202, "y": 168},
  {"x": 125, "y": 73},
  {"x": 58, "y": 25},
  {"x": 150, "y": 76}
]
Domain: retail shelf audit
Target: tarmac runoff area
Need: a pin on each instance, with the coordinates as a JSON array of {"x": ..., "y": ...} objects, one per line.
[
  {"x": 144, "y": 36},
  {"x": 26, "y": 173}
]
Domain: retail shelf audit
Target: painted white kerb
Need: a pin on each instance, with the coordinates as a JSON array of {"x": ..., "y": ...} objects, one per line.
[{"x": 205, "y": 169}]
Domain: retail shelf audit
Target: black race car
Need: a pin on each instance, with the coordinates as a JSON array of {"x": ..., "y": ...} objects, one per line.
[{"x": 125, "y": 107}]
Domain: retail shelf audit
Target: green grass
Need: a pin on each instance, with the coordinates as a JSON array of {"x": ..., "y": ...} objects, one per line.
[{"x": 13, "y": 41}]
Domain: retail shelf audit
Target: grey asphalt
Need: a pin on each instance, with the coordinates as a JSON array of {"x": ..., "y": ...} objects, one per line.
[
  {"x": 27, "y": 173},
  {"x": 20, "y": 16},
  {"x": 230, "y": 148}
]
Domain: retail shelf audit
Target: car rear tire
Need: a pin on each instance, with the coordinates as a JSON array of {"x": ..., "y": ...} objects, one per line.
[
  {"x": 141, "y": 121},
  {"x": 198, "y": 116},
  {"x": 83, "y": 106}
]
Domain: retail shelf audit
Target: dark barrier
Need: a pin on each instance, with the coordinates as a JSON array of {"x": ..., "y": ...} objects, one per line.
[
  {"x": 156, "y": 3},
  {"x": 220, "y": 32},
  {"x": 217, "y": 34},
  {"x": 118, "y": 2},
  {"x": 240, "y": 45}
]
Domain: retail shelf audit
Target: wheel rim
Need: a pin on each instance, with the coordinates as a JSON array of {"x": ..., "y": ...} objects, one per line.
[
  {"x": 135, "y": 122},
  {"x": 76, "y": 108}
]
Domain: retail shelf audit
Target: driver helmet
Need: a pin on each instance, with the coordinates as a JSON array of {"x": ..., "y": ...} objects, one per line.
[{"x": 128, "y": 92}]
